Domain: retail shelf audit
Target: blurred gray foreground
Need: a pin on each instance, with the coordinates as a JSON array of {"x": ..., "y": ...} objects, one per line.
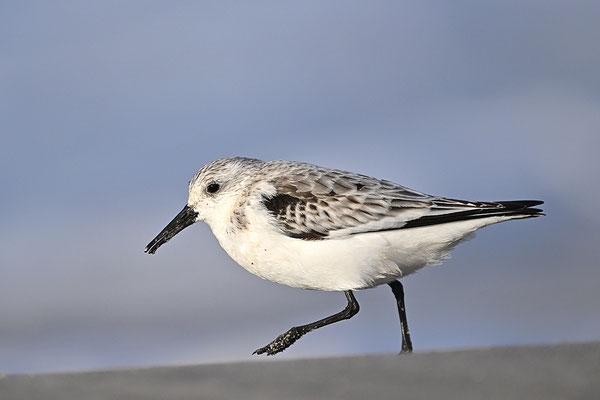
[{"x": 563, "y": 371}]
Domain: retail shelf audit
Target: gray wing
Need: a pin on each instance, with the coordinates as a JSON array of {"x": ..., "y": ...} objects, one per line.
[{"x": 315, "y": 203}]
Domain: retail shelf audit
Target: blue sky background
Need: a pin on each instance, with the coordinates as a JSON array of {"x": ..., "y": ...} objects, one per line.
[{"x": 107, "y": 110}]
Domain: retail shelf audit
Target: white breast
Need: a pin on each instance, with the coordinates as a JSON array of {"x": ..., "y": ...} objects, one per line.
[{"x": 354, "y": 262}]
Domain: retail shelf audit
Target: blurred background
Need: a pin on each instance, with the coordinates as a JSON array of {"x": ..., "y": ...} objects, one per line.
[{"x": 108, "y": 108}]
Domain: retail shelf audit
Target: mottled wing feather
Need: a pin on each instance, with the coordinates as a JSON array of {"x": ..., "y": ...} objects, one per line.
[{"x": 316, "y": 203}]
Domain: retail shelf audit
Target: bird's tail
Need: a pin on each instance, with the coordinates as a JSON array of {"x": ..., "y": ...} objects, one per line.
[
  {"x": 523, "y": 208},
  {"x": 511, "y": 209}
]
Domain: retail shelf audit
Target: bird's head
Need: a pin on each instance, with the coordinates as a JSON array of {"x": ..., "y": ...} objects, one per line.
[{"x": 213, "y": 192}]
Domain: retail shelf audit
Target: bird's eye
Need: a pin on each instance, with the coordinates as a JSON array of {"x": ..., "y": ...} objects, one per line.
[{"x": 213, "y": 188}]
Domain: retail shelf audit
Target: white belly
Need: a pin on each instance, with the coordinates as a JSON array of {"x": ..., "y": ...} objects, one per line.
[{"x": 354, "y": 262}]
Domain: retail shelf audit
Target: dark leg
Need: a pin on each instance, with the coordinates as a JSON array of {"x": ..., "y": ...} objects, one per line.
[
  {"x": 399, "y": 294},
  {"x": 288, "y": 338}
]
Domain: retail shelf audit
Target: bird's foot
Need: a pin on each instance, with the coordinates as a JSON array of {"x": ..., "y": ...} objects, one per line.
[{"x": 281, "y": 342}]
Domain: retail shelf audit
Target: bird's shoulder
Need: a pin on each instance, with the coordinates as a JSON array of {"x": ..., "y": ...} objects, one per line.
[
  {"x": 306, "y": 201},
  {"x": 309, "y": 202}
]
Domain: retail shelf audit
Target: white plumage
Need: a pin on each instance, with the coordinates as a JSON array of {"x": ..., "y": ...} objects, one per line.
[{"x": 316, "y": 228}]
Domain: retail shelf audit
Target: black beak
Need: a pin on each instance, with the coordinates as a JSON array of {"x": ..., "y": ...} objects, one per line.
[{"x": 185, "y": 218}]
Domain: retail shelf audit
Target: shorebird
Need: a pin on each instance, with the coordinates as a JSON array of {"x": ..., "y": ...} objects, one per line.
[{"x": 310, "y": 227}]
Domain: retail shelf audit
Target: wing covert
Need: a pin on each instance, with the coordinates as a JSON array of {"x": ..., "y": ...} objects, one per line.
[{"x": 315, "y": 203}]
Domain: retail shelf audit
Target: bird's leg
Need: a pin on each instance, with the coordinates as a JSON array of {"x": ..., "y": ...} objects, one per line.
[
  {"x": 399, "y": 294},
  {"x": 288, "y": 338}
]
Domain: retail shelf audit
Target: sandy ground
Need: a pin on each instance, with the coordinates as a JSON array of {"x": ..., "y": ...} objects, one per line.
[{"x": 563, "y": 371}]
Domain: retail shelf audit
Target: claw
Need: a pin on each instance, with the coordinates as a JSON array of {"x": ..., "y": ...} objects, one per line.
[{"x": 281, "y": 342}]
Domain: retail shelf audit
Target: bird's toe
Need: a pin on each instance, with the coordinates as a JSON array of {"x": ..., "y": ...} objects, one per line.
[{"x": 281, "y": 343}]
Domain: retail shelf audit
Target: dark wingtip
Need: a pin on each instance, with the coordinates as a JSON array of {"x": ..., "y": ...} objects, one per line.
[
  {"x": 531, "y": 203},
  {"x": 516, "y": 208},
  {"x": 524, "y": 207},
  {"x": 516, "y": 204}
]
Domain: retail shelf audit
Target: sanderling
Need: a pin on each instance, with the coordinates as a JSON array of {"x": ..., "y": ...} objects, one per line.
[{"x": 316, "y": 228}]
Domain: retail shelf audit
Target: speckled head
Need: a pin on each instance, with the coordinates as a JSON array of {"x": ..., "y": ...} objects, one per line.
[
  {"x": 214, "y": 188},
  {"x": 212, "y": 194}
]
